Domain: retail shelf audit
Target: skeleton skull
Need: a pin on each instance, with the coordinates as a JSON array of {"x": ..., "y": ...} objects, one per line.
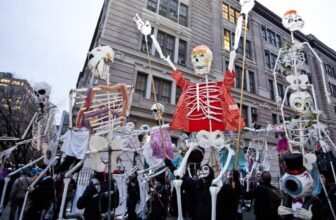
[
  {"x": 99, "y": 63},
  {"x": 42, "y": 92},
  {"x": 157, "y": 110},
  {"x": 201, "y": 58},
  {"x": 301, "y": 102},
  {"x": 292, "y": 21},
  {"x": 204, "y": 172}
]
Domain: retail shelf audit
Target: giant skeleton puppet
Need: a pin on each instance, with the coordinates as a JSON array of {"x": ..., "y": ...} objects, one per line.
[
  {"x": 302, "y": 180},
  {"x": 207, "y": 107},
  {"x": 102, "y": 111},
  {"x": 43, "y": 133}
]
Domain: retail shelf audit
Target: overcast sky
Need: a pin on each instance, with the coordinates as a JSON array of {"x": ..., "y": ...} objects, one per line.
[{"x": 47, "y": 40}]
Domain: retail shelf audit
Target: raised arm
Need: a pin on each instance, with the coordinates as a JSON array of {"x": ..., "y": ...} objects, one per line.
[
  {"x": 246, "y": 7},
  {"x": 145, "y": 28}
]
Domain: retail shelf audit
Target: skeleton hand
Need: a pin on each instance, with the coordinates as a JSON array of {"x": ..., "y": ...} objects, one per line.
[
  {"x": 246, "y": 6},
  {"x": 303, "y": 213},
  {"x": 168, "y": 60},
  {"x": 144, "y": 28},
  {"x": 283, "y": 210}
]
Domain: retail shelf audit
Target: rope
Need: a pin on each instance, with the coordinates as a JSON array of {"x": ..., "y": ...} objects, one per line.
[
  {"x": 241, "y": 94},
  {"x": 155, "y": 99}
]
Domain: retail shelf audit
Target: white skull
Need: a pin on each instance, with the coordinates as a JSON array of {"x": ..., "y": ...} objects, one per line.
[
  {"x": 157, "y": 110},
  {"x": 42, "y": 92},
  {"x": 292, "y": 21},
  {"x": 100, "y": 62},
  {"x": 205, "y": 171},
  {"x": 301, "y": 102},
  {"x": 201, "y": 58}
]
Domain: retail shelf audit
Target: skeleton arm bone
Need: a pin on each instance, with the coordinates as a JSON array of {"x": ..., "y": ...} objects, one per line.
[
  {"x": 278, "y": 99},
  {"x": 159, "y": 50},
  {"x": 322, "y": 71}
]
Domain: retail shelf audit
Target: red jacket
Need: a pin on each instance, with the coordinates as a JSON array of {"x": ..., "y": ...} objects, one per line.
[{"x": 227, "y": 110}]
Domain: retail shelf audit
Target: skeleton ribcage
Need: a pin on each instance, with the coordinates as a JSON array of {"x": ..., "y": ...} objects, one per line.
[
  {"x": 203, "y": 101},
  {"x": 43, "y": 131}
]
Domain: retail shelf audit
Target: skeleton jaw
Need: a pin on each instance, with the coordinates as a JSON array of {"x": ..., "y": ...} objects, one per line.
[{"x": 201, "y": 70}]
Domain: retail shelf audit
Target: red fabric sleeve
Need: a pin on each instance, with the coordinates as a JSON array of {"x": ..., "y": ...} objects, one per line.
[
  {"x": 229, "y": 79},
  {"x": 179, "y": 78}
]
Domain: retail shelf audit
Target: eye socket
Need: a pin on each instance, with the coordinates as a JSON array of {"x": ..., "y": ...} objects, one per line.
[
  {"x": 42, "y": 91},
  {"x": 290, "y": 20},
  {"x": 154, "y": 110},
  {"x": 194, "y": 56},
  {"x": 202, "y": 55},
  {"x": 298, "y": 104}
]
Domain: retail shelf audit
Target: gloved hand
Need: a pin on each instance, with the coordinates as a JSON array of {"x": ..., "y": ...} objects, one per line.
[
  {"x": 303, "y": 213},
  {"x": 283, "y": 210}
]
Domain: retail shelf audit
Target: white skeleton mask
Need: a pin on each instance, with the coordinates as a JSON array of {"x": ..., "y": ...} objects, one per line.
[
  {"x": 292, "y": 21},
  {"x": 205, "y": 171},
  {"x": 201, "y": 58},
  {"x": 42, "y": 92},
  {"x": 157, "y": 110},
  {"x": 301, "y": 102}
]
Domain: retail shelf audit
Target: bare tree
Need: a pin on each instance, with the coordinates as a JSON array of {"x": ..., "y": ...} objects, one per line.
[{"x": 17, "y": 107}]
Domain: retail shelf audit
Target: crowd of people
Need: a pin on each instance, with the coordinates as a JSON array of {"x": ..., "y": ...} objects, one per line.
[{"x": 232, "y": 198}]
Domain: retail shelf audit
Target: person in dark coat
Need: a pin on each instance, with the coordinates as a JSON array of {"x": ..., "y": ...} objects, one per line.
[
  {"x": 95, "y": 197},
  {"x": 41, "y": 198},
  {"x": 228, "y": 198},
  {"x": 267, "y": 199},
  {"x": 200, "y": 197},
  {"x": 159, "y": 198},
  {"x": 133, "y": 196}
]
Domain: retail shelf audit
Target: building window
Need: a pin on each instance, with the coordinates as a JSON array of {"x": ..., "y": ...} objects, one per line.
[
  {"x": 263, "y": 32},
  {"x": 270, "y": 36},
  {"x": 239, "y": 77},
  {"x": 240, "y": 48},
  {"x": 167, "y": 43},
  {"x": 246, "y": 115},
  {"x": 182, "y": 52},
  {"x": 144, "y": 46},
  {"x": 232, "y": 15},
  {"x": 270, "y": 59},
  {"x": 152, "y": 5},
  {"x": 183, "y": 16},
  {"x": 141, "y": 84},
  {"x": 225, "y": 11},
  {"x": 227, "y": 40},
  {"x": 332, "y": 89},
  {"x": 278, "y": 41},
  {"x": 252, "y": 82},
  {"x": 178, "y": 94},
  {"x": 271, "y": 89},
  {"x": 267, "y": 59},
  {"x": 335, "y": 109},
  {"x": 163, "y": 90},
  {"x": 254, "y": 115},
  {"x": 273, "y": 60},
  {"x": 330, "y": 70},
  {"x": 170, "y": 9},
  {"x": 280, "y": 90}
]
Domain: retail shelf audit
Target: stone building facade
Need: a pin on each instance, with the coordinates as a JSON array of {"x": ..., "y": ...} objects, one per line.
[{"x": 180, "y": 25}]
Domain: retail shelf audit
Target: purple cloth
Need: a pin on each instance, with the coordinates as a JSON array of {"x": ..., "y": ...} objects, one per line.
[
  {"x": 282, "y": 145},
  {"x": 161, "y": 144}
]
